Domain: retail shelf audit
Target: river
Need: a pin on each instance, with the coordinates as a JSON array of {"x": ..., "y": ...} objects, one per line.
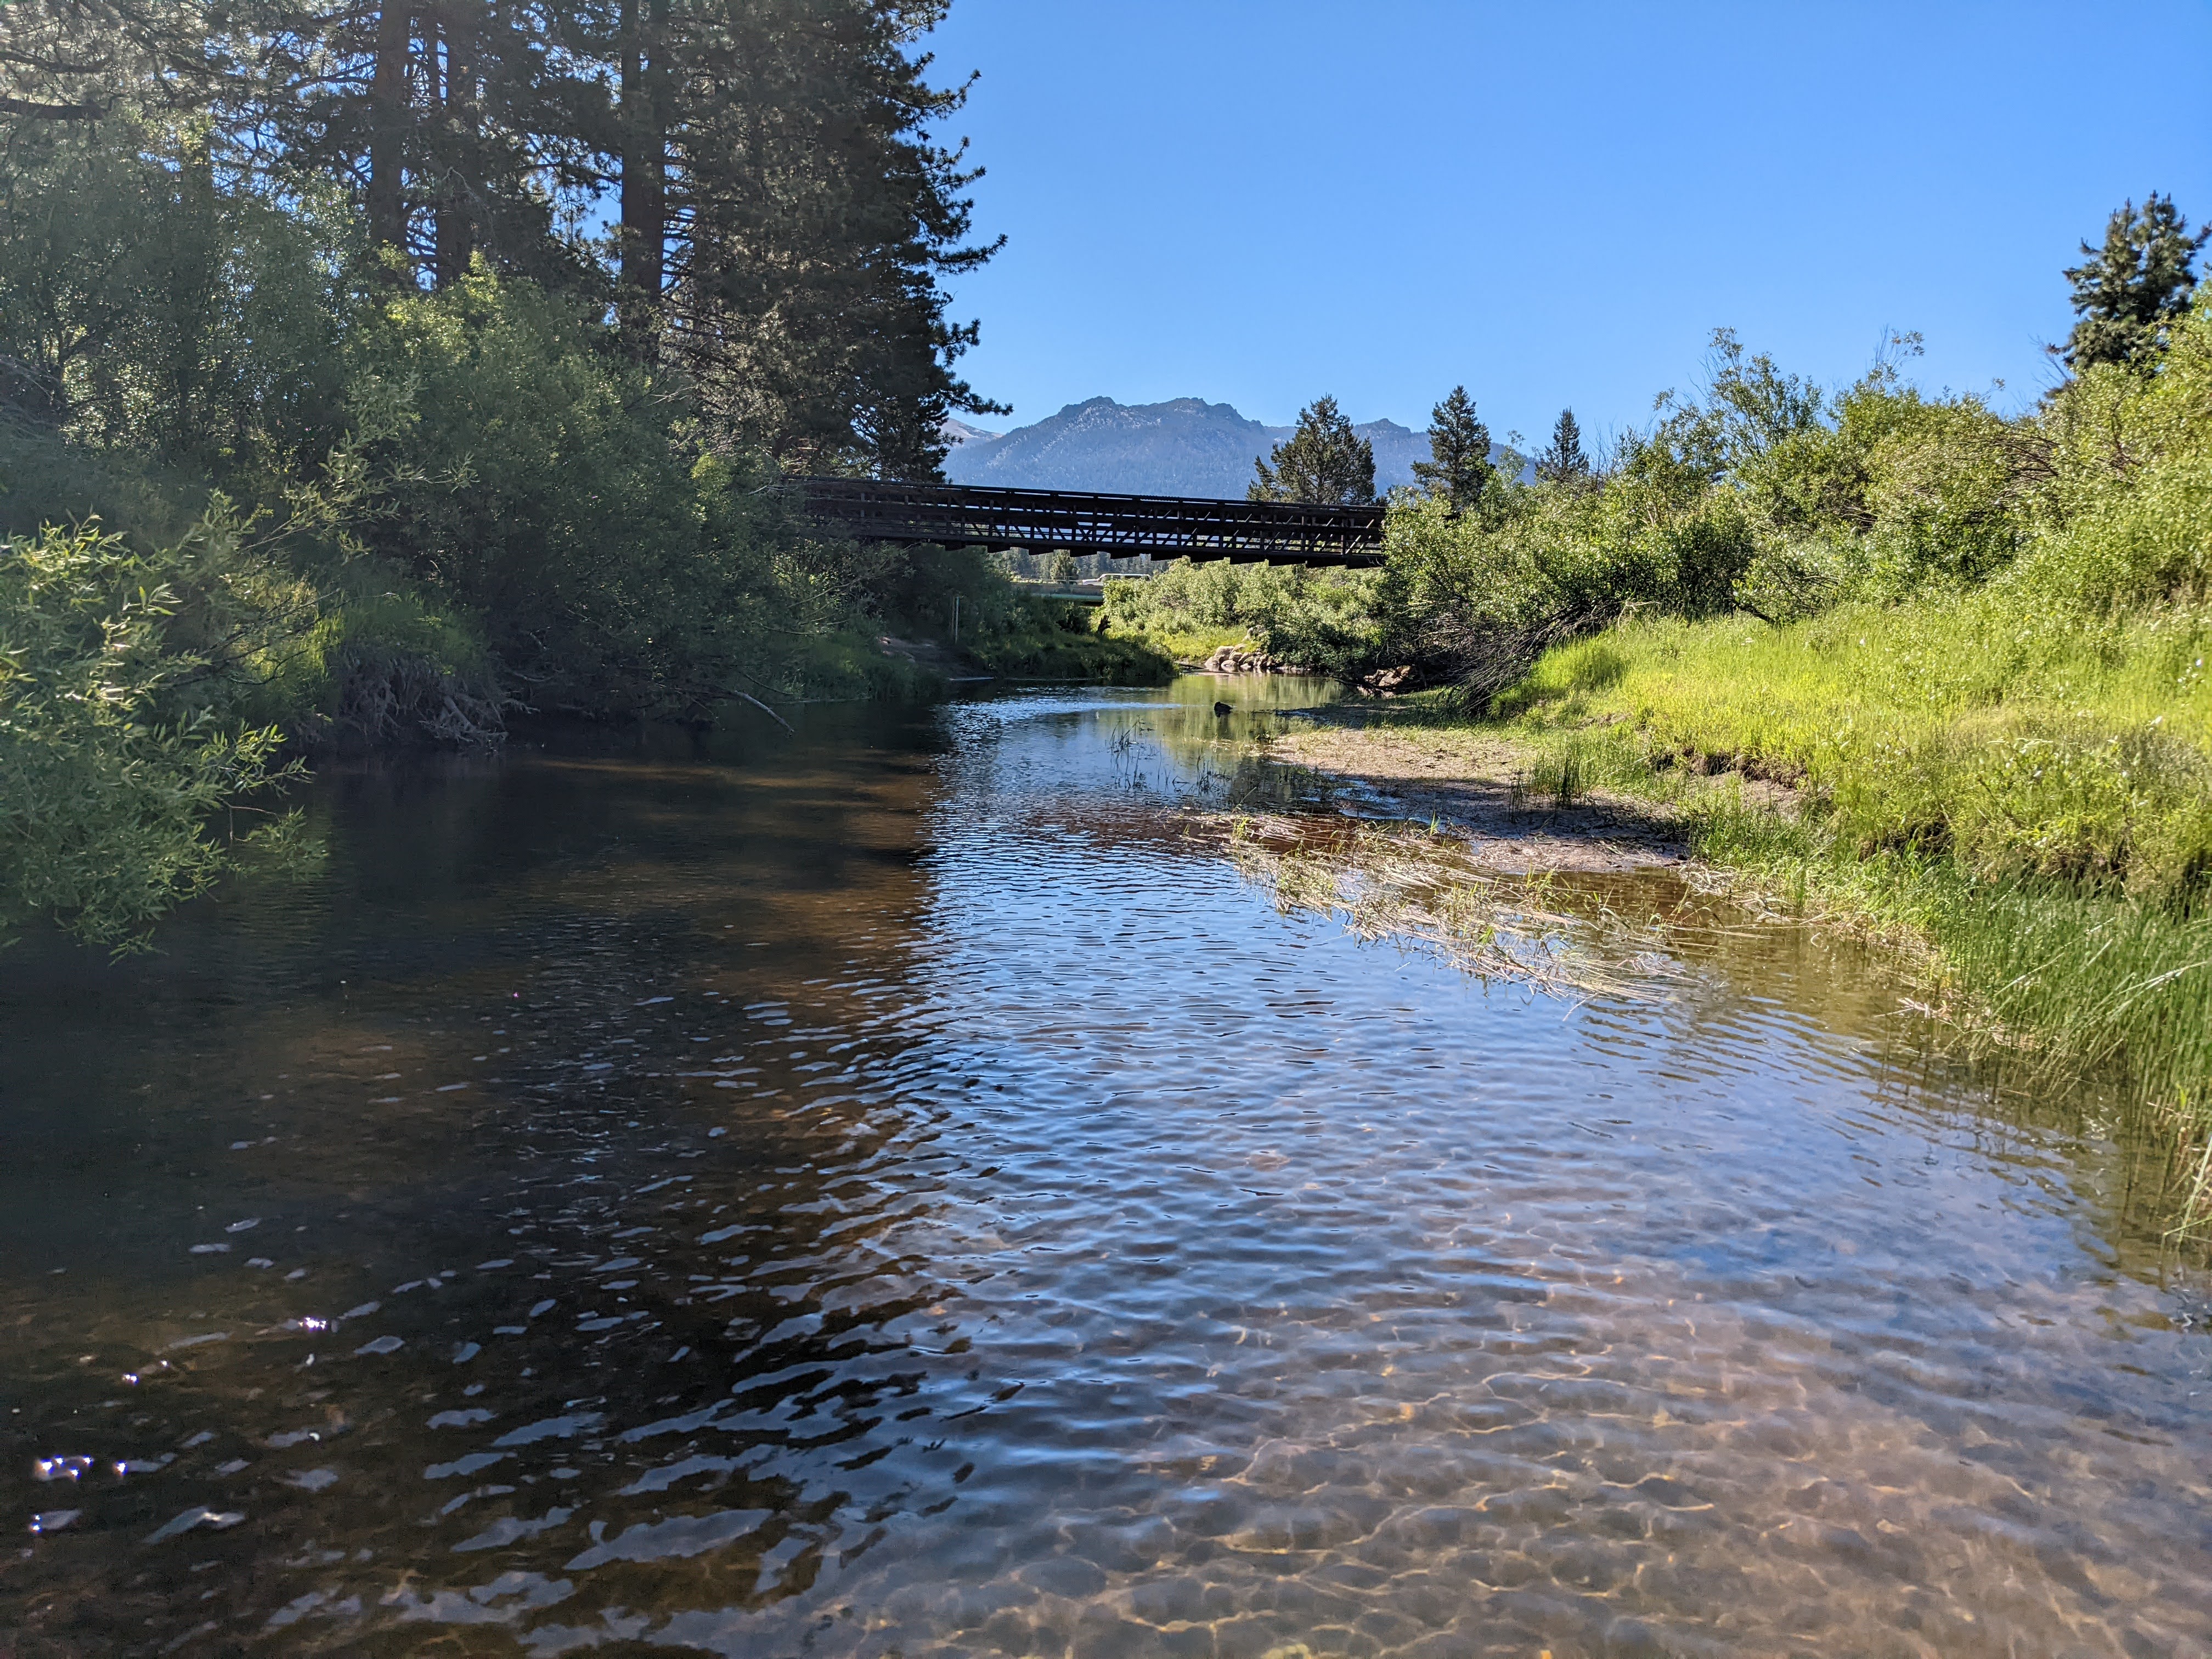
[{"x": 892, "y": 1189}]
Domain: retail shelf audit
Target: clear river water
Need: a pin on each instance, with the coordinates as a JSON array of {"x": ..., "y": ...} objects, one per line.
[{"x": 891, "y": 1190}]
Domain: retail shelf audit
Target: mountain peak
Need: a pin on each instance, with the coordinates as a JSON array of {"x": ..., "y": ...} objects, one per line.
[
  {"x": 1184, "y": 446},
  {"x": 957, "y": 433}
]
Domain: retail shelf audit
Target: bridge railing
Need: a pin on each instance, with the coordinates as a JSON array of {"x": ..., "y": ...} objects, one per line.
[{"x": 1089, "y": 521}]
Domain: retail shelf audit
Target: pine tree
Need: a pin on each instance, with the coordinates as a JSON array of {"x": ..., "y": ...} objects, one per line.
[
  {"x": 1458, "y": 468},
  {"x": 2129, "y": 291},
  {"x": 784, "y": 217},
  {"x": 643, "y": 47},
  {"x": 1565, "y": 462},
  {"x": 1324, "y": 461},
  {"x": 810, "y": 215}
]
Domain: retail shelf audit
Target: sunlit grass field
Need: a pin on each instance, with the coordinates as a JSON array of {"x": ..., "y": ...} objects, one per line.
[{"x": 2025, "y": 799}]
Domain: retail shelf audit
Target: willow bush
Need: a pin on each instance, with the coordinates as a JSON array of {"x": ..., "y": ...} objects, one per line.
[{"x": 123, "y": 767}]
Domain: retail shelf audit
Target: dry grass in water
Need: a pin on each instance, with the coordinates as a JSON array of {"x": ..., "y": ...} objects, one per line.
[{"x": 1409, "y": 886}]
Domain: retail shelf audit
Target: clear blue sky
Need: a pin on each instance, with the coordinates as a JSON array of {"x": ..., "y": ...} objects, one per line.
[{"x": 1258, "y": 201}]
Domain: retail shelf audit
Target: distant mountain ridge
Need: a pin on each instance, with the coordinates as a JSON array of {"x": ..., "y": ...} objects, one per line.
[{"x": 1185, "y": 446}]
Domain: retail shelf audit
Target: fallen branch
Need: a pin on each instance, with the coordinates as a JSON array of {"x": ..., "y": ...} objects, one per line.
[{"x": 764, "y": 709}]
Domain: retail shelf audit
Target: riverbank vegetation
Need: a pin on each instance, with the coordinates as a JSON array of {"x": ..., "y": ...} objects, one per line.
[
  {"x": 964, "y": 598},
  {"x": 1971, "y": 646},
  {"x": 1320, "y": 619},
  {"x": 373, "y": 375}
]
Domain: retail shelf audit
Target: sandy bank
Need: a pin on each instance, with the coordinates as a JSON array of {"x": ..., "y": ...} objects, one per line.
[{"x": 1491, "y": 792}]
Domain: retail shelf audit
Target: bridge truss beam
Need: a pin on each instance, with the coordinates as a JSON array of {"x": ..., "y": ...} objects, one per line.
[{"x": 1086, "y": 522}]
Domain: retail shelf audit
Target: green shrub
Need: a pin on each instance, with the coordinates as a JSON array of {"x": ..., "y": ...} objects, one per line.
[
  {"x": 1057, "y": 639},
  {"x": 1315, "y": 618},
  {"x": 115, "y": 748}
]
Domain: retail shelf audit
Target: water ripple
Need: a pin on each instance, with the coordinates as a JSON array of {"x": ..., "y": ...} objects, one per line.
[{"x": 923, "y": 1202}]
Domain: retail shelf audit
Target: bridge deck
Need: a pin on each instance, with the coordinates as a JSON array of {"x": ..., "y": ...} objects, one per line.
[{"x": 1086, "y": 521}]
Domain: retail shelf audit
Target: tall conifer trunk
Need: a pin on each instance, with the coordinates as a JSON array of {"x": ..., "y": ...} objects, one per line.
[
  {"x": 644, "y": 176},
  {"x": 193, "y": 276},
  {"x": 388, "y": 208},
  {"x": 456, "y": 195}
]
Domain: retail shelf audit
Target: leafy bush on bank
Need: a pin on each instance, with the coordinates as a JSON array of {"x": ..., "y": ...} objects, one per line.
[
  {"x": 1322, "y": 619},
  {"x": 123, "y": 677}
]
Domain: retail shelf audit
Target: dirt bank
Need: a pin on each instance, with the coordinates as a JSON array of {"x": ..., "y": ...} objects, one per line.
[{"x": 1508, "y": 811}]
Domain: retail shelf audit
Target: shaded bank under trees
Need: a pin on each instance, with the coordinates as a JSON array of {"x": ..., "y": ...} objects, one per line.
[{"x": 371, "y": 371}]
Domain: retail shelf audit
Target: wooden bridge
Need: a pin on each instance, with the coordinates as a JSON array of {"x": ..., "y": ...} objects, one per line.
[{"x": 1084, "y": 521}]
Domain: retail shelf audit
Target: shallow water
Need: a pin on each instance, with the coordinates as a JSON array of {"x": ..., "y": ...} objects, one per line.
[{"x": 892, "y": 1190}]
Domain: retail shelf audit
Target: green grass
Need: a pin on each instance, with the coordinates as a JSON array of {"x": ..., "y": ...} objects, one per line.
[
  {"x": 1048, "y": 640},
  {"x": 2020, "y": 741},
  {"x": 1184, "y": 642},
  {"x": 2024, "y": 798}
]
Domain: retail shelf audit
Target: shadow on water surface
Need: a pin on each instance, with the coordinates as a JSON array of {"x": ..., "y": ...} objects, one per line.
[{"x": 891, "y": 1190}]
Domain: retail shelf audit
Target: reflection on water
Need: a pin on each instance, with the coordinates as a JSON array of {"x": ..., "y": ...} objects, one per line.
[{"x": 891, "y": 1192}]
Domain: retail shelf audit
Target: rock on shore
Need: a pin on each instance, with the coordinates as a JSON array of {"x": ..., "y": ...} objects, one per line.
[{"x": 1237, "y": 660}]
